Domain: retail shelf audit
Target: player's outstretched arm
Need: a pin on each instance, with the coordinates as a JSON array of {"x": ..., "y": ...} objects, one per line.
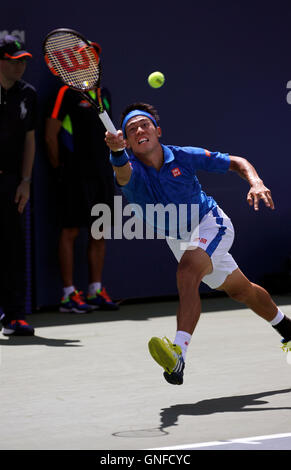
[
  {"x": 117, "y": 145},
  {"x": 258, "y": 191}
]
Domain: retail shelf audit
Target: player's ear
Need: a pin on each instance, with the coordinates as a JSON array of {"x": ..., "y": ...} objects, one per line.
[{"x": 159, "y": 131}]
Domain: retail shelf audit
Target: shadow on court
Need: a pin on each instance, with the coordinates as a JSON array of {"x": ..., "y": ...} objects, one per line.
[
  {"x": 39, "y": 340},
  {"x": 241, "y": 403},
  {"x": 134, "y": 312},
  {"x": 139, "y": 311}
]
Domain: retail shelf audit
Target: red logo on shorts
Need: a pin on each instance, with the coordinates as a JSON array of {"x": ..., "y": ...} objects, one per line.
[
  {"x": 176, "y": 172},
  {"x": 201, "y": 240}
]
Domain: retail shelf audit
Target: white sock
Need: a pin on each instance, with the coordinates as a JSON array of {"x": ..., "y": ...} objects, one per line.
[
  {"x": 277, "y": 318},
  {"x": 68, "y": 290},
  {"x": 93, "y": 287},
  {"x": 183, "y": 339}
]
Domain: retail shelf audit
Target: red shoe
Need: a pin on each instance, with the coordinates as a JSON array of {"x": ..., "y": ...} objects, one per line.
[{"x": 74, "y": 303}]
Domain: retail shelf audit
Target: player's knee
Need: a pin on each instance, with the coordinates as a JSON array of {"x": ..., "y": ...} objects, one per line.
[{"x": 186, "y": 272}]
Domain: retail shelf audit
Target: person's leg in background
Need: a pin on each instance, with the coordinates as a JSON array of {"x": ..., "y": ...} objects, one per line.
[
  {"x": 72, "y": 300},
  {"x": 98, "y": 192},
  {"x": 70, "y": 208},
  {"x": 13, "y": 276}
]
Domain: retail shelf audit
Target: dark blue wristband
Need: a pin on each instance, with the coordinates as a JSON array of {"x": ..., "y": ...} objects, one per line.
[{"x": 119, "y": 158}]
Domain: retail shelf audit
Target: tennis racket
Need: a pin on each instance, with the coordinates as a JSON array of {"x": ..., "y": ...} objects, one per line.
[{"x": 76, "y": 61}]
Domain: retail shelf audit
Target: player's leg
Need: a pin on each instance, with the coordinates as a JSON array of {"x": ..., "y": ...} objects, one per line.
[
  {"x": 238, "y": 287},
  {"x": 205, "y": 246},
  {"x": 193, "y": 266}
]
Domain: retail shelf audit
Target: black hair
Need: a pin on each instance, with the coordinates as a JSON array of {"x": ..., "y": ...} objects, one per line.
[{"x": 143, "y": 107}]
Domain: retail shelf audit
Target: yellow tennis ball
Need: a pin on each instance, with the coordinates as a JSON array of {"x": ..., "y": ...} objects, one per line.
[{"x": 156, "y": 79}]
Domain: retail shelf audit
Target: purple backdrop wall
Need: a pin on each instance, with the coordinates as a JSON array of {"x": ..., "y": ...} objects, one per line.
[{"x": 227, "y": 68}]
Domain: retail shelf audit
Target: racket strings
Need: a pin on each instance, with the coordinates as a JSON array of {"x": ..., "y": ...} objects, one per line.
[{"x": 73, "y": 60}]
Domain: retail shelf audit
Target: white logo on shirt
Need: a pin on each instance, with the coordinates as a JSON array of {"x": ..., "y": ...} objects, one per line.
[{"x": 23, "y": 110}]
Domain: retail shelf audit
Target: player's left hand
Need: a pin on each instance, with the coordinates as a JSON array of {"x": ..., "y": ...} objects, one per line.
[
  {"x": 22, "y": 195},
  {"x": 259, "y": 192}
]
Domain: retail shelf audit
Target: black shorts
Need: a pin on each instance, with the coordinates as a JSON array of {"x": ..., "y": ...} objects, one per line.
[{"x": 77, "y": 196}]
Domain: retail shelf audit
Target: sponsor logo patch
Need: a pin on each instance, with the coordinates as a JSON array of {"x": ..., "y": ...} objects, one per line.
[{"x": 176, "y": 172}]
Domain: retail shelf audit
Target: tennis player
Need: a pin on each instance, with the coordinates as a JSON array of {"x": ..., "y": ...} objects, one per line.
[{"x": 149, "y": 172}]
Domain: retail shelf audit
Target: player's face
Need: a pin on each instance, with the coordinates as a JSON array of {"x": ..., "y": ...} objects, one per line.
[
  {"x": 142, "y": 135},
  {"x": 13, "y": 69}
]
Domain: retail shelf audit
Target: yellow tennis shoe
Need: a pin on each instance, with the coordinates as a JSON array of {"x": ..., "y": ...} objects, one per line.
[{"x": 169, "y": 356}]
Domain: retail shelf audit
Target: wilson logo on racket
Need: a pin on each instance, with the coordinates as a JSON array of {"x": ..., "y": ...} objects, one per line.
[
  {"x": 74, "y": 63},
  {"x": 176, "y": 172}
]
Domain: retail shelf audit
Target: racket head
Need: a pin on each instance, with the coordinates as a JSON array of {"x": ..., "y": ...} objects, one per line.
[{"x": 72, "y": 58}]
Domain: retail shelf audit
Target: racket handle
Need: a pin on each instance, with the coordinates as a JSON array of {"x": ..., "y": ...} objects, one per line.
[{"x": 108, "y": 124}]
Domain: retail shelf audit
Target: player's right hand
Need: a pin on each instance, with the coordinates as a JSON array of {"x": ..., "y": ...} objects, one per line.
[{"x": 115, "y": 141}]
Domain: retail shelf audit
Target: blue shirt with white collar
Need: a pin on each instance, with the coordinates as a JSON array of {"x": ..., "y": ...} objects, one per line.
[{"x": 175, "y": 183}]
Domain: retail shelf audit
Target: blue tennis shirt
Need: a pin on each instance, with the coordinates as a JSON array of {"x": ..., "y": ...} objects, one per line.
[{"x": 175, "y": 183}]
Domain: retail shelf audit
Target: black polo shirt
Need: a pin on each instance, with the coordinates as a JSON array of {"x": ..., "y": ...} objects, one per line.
[
  {"x": 17, "y": 117},
  {"x": 83, "y": 150}
]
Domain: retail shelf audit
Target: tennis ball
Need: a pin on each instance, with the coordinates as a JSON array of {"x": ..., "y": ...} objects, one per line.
[{"x": 156, "y": 79}]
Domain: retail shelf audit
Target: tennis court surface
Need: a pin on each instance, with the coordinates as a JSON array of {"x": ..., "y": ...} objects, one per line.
[{"x": 88, "y": 382}]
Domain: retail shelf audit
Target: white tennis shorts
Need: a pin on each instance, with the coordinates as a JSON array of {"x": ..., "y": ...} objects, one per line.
[{"x": 215, "y": 235}]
